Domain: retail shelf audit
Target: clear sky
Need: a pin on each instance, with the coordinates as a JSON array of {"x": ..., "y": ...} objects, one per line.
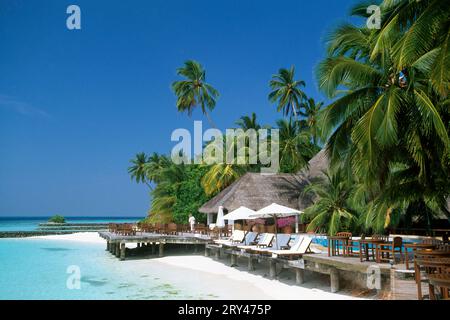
[{"x": 75, "y": 106}]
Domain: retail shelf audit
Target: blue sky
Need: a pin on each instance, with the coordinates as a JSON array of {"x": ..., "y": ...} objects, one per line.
[{"x": 75, "y": 106}]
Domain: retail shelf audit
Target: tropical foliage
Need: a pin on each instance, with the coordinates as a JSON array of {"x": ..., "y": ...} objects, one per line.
[
  {"x": 286, "y": 91},
  {"x": 57, "y": 219},
  {"x": 389, "y": 121},
  {"x": 194, "y": 91},
  {"x": 335, "y": 208}
]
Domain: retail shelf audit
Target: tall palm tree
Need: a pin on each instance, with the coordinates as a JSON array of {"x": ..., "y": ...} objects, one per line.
[
  {"x": 295, "y": 147},
  {"x": 194, "y": 91},
  {"x": 286, "y": 91},
  {"x": 311, "y": 111},
  {"x": 137, "y": 170}
]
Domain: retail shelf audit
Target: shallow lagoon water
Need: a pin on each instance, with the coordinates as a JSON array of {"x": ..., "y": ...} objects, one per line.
[{"x": 37, "y": 269}]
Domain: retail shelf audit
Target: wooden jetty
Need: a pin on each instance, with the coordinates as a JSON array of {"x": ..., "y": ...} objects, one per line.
[
  {"x": 394, "y": 282},
  {"x": 116, "y": 244}
]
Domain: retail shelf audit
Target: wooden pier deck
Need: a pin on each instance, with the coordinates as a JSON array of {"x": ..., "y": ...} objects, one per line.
[
  {"x": 116, "y": 244},
  {"x": 390, "y": 282}
]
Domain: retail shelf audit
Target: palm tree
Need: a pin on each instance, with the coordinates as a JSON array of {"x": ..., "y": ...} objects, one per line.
[
  {"x": 164, "y": 195},
  {"x": 332, "y": 210},
  {"x": 137, "y": 170},
  {"x": 417, "y": 32},
  {"x": 194, "y": 90},
  {"x": 294, "y": 146},
  {"x": 221, "y": 175},
  {"x": 246, "y": 122},
  {"x": 389, "y": 111},
  {"x": 286, "y": 91},
  {"x": 311, "y": 112}
]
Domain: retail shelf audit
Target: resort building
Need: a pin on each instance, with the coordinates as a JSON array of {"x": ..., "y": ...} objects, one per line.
[{"x": 255, "y": 190}]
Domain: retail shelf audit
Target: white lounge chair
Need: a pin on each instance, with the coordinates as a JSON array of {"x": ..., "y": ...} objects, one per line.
[{"x": 300, "y": 247}]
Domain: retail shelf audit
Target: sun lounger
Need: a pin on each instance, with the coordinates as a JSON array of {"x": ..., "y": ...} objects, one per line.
[
  {"x": 297, "y": 250},
  {"x": 250, "y": 238},
  {"x": 281, "y": 242},
  {"x": 264, "y": 240},
  {"x": 238, "y": 236}
]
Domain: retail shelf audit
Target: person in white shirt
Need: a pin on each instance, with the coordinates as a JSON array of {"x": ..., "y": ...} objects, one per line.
[{"x": 192, "y": 222}]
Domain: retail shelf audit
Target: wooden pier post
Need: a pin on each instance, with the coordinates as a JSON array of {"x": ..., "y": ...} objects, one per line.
[
  {"x": 161, "y": 249},
  {"x": 233, "y": 260},
  {"x": 117, "y": 253},
  {"x": 195, "y": 248},
  {"x": 251, "y": 266},
  {"x": 272, "y": 269},
  {"x": 299, "y": 276},
  {"x": 153, "y": 247},
  {"x": 112, "y": 247},
  {"x": 217, "y": 256},
  {"x": 107, "y": 245},
  {"x": 206, "y": 251},
  {"x": 138, "y": 244},
  {"x": 334, "y": 280},
  {"x": 122, "y": 251}
]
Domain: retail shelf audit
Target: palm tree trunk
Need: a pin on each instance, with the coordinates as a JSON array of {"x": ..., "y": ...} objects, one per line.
[{"x": 211, "y": 122}]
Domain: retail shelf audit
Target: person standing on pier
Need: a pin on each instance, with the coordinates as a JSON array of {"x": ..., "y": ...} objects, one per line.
[{"x": 191, "y": 222}]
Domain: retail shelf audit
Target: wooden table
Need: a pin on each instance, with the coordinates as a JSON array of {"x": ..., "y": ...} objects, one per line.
[
  {"x": 442, "y": 281},
  {"x": 414, "y": 247},
  {"x": 333, "y": 242},
  {"x": 365, "y": 243}
]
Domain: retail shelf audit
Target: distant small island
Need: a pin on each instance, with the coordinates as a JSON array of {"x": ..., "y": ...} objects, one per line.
[{"x": 57, "y": 219}]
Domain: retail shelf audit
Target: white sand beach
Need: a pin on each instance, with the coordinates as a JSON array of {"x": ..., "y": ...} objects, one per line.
[
  {"x": 231, "y": 283},
  {"x": 87, "y": 237}
]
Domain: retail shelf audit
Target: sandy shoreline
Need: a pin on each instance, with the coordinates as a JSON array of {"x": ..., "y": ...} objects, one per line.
[{"x": 254, "y": 285}]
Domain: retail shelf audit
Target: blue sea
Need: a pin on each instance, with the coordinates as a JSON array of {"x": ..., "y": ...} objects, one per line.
[
  {"x": 32, "y": 223},
  {"x": 33, "y": 268}
]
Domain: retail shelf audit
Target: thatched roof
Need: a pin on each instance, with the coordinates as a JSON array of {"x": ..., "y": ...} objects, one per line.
[{"x": 255, "y": 190}]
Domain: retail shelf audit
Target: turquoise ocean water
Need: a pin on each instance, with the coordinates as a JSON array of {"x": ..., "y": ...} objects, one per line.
[
  {"x": 42, "y": 268},
  {"x": 31, "y": 223},
  {"x": 38, "y": 269}
]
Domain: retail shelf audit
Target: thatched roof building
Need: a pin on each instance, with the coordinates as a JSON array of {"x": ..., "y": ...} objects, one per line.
[{"x": 255, "y": 190}]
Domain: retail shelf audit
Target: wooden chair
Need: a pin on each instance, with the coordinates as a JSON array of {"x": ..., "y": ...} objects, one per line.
[
  {"x": 396, "y": 246},
  {"x": 172, "y": 228},
  {"x": 432, "y": 241},
  {"x": 126, "y": 229},
  {"x": 350, "y": 247},
  {"x": 112, "y": 227},
  {"x": 436, "y": 269},
  {"x": 200, "y": 228}
]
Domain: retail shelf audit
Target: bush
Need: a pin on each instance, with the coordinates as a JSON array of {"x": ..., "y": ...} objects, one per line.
[{"x": 57, "y": 219}]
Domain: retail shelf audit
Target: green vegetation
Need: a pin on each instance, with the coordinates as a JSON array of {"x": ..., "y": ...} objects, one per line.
[
  {"x": 57, "y": 219},
  {"x": 386, "y": 129},
  {"x": 388, "y": 125},
  {"x": 194, "y": 91}
]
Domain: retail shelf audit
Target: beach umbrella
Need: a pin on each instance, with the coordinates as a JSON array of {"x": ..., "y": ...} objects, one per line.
[
  {"x": 220, "y": 222},
  {"x": 241, "y": 213},
  {"x": 275, "y": 211}
]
